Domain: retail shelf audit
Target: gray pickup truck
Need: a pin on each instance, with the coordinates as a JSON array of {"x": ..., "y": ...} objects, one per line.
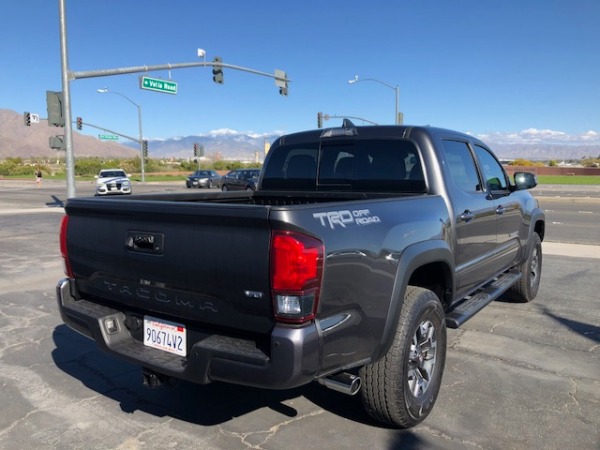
[{"x": 358, "y": 248}]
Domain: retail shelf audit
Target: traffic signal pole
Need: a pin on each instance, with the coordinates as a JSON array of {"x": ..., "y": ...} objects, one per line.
[
  {"x": 281, "y": 81},
  {"x": 279, "y": 76},
  {"x": 64, "y": 67},
  {"x": 87, "y": 124}
]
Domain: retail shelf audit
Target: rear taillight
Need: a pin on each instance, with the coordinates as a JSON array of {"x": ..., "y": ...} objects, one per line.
[
  {"x": 63, "y": 246},
  {"x": 296, "y": 272}
]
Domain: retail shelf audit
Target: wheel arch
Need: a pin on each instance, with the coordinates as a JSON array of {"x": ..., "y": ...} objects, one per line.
[
  {"x": 428, "y": 264},
  {"x": 539, "y": 224}
]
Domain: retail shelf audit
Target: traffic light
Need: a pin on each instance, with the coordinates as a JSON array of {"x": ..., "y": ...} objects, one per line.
[
  {"x": 145, "y": 147},
  {"x": 217, "y": 71},
  {"x": 27, "y": 118},
  {"x": 319, "y": 120},
  {"x": 195, "y": 149},
  {"x": 281, "y": 82},
  {"x": 54, "y": 105},
  {"x": 79, "y": 123}
]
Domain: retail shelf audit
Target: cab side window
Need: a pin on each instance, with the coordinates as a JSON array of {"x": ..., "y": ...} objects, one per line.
[
  {"x": 492, "y": 170},
  {"x": 461, "y": 165}
]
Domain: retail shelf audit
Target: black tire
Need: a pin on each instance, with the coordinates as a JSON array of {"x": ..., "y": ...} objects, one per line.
[
  {"x": 401, "y": 388},
  {"x": 527, "y": 287}
]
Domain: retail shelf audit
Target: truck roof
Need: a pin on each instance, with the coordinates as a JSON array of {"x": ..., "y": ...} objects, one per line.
[{"x": 368, "y": 131}]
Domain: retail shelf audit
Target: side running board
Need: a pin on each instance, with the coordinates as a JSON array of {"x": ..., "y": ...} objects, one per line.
[{"x": 485, "y": 295}]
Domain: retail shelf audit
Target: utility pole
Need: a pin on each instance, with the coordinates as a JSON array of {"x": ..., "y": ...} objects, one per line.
[
  {"x": 281, "y": 82},
  {"x": 64, "y": 67}
]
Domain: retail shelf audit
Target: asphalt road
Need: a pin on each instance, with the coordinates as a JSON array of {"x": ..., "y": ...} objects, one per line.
[
  {"x": 572, "y": 213},
  {"x": 518, "y": 376}
]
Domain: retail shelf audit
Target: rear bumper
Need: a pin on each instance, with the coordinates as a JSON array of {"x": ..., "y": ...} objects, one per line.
[{"x": 291, "y": 360}]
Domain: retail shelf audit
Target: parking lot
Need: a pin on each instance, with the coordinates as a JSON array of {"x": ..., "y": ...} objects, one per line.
[{"x": 518, "y": 376}]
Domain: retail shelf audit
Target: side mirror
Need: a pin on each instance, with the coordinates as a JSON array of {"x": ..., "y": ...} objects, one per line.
[{"x": 525, "y": 180}]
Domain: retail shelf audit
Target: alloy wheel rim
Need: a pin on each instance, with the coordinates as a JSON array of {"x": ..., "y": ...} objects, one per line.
[
  {"x": 422, "y": 358},
  {"x": 534, "y": 268}
]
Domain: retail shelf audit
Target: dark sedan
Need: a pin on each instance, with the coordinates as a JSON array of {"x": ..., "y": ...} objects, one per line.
[
  {"x": 203, "y": 178},
  {"x": 240, "y": 180}
]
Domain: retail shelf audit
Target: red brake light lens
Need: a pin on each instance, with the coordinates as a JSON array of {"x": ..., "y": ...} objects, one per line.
[
  {"x": 296, "y": 261},
  {"x": 63, "y": 245},
  {"x": 296, "y": 272}
]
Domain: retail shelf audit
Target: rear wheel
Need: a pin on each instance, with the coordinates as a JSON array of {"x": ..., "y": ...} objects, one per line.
[
  {"x": 401, "y": 388},
  {"x": 531, "y": 271}
]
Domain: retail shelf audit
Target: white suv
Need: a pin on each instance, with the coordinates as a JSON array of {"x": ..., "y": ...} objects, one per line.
[{"x": 113, "y": 181}]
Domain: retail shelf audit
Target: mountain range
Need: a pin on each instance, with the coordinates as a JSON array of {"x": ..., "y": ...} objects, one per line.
[
  {"x": 19, "y": 140},
  {"x": 16, "y": 139},
  {"x": 218, "y": 144}
]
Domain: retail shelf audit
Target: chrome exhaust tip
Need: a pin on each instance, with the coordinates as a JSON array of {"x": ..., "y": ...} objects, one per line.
[{"x": 344, "y": 382}]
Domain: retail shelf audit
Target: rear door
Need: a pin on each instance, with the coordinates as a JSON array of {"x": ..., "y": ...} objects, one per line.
[{"x": 474, "y": 217}]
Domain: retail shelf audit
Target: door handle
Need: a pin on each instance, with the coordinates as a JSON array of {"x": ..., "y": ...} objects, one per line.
[{"x": 467, "y": 216}]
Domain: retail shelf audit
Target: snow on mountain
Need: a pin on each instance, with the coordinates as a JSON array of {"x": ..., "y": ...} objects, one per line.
[
  {"x": 218, "y": 144},
  {"x": 531, "y": 143}
]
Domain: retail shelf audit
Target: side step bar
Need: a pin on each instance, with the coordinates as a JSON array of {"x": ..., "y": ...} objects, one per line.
[{"x": 473, "y": 304}]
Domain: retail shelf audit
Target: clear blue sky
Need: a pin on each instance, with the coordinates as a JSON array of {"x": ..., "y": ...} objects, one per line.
[{"x": 487, "y": 67}]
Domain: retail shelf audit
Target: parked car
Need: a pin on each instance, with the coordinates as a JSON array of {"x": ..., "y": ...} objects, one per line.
[
  {"x": 113, "y": 181},
  {"x": 240, "y": 180},
  {"x": 203, "y": 179}
]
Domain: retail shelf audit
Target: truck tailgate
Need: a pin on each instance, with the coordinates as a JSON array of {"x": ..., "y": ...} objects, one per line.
[{"x": 191, "y": 262}]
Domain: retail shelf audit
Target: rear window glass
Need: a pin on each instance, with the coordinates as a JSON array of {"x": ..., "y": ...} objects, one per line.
[{"x": 378, "y": 165}]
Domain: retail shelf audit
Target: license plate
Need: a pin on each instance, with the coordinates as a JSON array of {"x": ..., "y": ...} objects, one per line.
[{"x": 165, "y": 335}]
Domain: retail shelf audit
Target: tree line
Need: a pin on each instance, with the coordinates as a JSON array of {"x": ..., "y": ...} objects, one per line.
[{"x": 17, "y": 166}]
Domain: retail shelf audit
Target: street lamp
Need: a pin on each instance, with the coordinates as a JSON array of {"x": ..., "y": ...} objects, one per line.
[
  {"x": 397, "y": 120},
  {"x": 139, "y": 108}
]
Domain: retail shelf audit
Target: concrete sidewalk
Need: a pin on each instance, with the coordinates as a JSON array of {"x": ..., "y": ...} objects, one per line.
[{"x": 572, "y": 250}]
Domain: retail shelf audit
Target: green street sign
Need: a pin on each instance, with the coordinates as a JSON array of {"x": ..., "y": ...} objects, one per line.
[
  {"x": 155, "y": 84},
  {"x": 109, "y": 137}
]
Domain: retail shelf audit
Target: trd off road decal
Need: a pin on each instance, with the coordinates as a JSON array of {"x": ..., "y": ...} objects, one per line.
[{"x": 346, "y": 218}]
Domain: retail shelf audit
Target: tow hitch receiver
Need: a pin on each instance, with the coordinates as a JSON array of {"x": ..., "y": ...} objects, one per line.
[{"x": 153, "y": 379}]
